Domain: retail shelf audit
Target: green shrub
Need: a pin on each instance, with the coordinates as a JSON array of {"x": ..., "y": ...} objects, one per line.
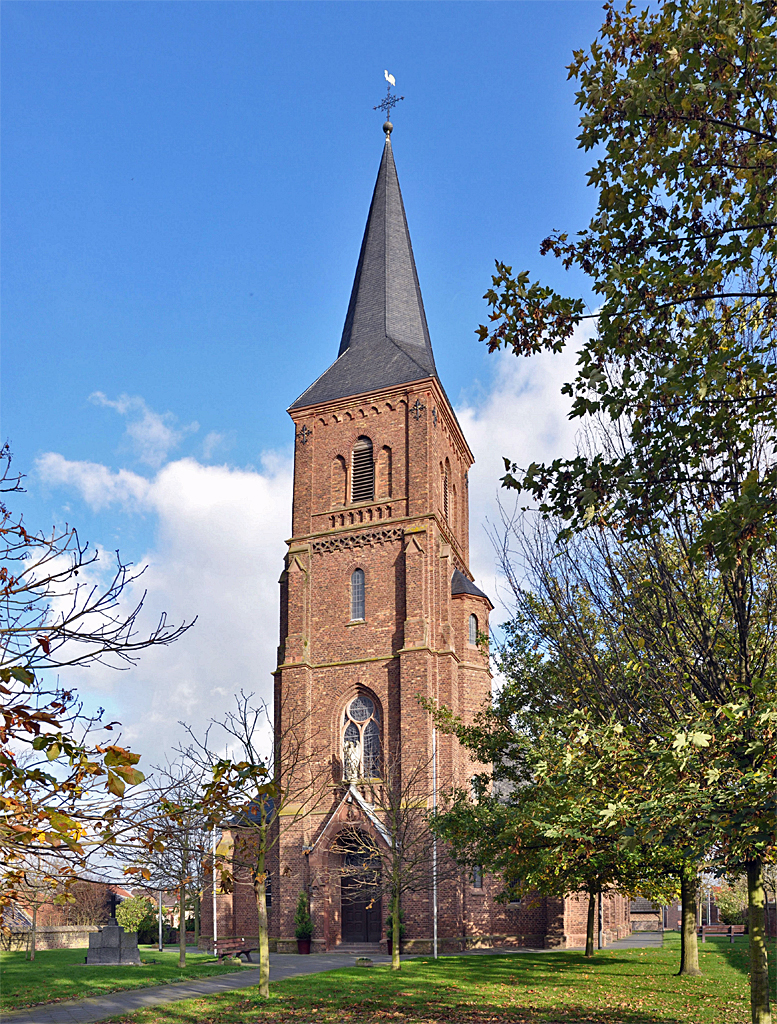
[
  {"x": 148, "y": 932},
  {"x": 131, "y": 913},
  {"x": 303, "y": 926},
  {"x": 732, "y": 901}
]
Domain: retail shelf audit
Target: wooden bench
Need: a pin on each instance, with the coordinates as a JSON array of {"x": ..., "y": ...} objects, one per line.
[
  {"x": 232, "y": 947},
  {"x": 721, "y": 929}
]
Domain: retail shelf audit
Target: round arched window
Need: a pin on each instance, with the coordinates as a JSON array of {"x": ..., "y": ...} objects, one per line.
[
  {"x": 357, "y": 595},
  {"x": 361, "y": 739},
  {"x": 473, "y": 629}
]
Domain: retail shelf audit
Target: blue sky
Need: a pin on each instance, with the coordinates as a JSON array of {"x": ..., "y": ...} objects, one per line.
[{"x": 184, "y": 190}]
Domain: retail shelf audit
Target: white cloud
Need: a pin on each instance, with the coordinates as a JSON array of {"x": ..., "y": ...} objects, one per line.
[
  {"x": 98, "y": 485},
  {"x": 153, "y": 435},
  {"x": 219, "y": 547},
  {"x": 524, "y": 417},
  {"x": 214, "y": 442},
  {"x": 217, "y": 557}
]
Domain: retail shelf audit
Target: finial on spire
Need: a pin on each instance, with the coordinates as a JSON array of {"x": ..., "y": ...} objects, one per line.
[{"x": 388, "y": 102}]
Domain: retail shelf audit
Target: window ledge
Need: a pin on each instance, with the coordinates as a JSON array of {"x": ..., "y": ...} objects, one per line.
[{"x": 356, "y": 622}]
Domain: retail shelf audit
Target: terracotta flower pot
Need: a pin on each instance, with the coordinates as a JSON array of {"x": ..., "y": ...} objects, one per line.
[{"x": 303, "y": 945}]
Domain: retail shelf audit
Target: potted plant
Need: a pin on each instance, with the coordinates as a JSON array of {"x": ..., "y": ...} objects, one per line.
[
  {"x": 390, "y": 930},
  {"x": 303, "y": 925}
]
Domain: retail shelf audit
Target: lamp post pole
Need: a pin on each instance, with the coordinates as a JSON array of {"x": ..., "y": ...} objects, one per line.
[
  {"x": 434, "y": 840},
  {"x": 213, "y": 896}
]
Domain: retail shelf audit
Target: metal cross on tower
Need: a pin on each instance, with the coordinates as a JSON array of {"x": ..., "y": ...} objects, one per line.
[
  {"x": 417, "y": 409},
  {"x": 388, "y": 100}
]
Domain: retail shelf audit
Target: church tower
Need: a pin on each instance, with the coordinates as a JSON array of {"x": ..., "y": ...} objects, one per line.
[
  {"x": 379, "y": 612},
  {"x": 378, "y": 605}
]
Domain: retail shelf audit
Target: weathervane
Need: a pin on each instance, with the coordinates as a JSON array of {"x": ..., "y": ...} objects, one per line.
[{"x": 388, "y": 102}]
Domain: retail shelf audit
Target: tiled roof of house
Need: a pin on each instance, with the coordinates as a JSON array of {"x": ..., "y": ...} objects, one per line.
[{"x": 639, "y": 905}]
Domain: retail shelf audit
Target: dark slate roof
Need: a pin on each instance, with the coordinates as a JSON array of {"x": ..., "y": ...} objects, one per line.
[
  {"x": 252, "y": 814},
  {"x": 639, "y": 905},
  {"x": 461, "y": 585},
  {"x": 386, "y": 338}
]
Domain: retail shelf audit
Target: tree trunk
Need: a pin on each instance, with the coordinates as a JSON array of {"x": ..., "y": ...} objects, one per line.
[
  {"x": 590, "y": 924},
  {"x": 197, "y": 908},
  {"x": 33, "y": 931},
  {"x": 396, "y": 931},
  {"x": 260, "y": 891},
  {"x": 759, "y": 970},
  {"x": 182, "y": 925},
  {"x": 689, "y": 946}
]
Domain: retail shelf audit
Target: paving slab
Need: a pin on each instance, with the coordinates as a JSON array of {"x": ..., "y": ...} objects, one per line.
[{"x": 282, "y": 965}]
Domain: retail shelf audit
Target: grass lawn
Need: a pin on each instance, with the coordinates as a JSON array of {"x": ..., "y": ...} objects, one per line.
[
  {"x": 634, "y": 986},
  {"x": 57, "y": 974}
]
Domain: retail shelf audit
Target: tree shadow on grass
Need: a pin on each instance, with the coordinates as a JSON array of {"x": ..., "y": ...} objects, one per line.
[{"x": 737, "y": 953}]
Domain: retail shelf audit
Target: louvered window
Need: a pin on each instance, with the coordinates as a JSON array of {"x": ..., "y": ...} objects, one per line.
[
  {"x": 445, "y": 492},
  {"x": 362, "y": 471},
  {"x": 357, "y": 594}
]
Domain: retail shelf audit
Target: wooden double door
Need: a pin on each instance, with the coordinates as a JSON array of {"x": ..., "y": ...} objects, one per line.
[{"x": 360, "y": 914}]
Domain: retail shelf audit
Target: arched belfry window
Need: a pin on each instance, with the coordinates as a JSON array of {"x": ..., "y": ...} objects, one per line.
[
  {"x": 357, "y": 594},
  {"x": 362, "y": 471},
  {"x": 473, "y": 629},
  {"x": 361, "y": 739}
]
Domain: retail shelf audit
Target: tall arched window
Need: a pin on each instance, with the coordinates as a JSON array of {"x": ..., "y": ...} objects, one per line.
[
  {"x": 446, "y": 473},
  {"x": 357, "y": 594},
  {"x": 362, "y": 471},
  {"x": 361, "y": 739},
  {"x": 473, "y": 629}
]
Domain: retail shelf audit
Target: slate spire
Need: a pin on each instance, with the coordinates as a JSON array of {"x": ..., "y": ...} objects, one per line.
[{"x": 385, "y": 339}]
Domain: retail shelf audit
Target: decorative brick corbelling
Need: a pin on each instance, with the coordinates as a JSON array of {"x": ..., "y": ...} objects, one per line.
[{"x": 348, "y": 541}]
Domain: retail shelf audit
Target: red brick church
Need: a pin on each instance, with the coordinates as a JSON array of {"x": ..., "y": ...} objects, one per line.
[{"x": 378, "y": 606}]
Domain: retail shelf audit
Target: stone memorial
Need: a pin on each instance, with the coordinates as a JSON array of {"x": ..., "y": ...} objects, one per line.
[{"x": 112, "y": 945}]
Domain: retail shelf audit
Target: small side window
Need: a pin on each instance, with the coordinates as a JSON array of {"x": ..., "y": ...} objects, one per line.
[
  {"x": 477, "y": 876},
  {"x": 357, "y": 594},
  {"x": 473, "y": 629}
]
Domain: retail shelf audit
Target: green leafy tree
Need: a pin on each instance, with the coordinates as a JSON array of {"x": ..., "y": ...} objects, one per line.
[
  {"x": 546, "y": 829},
  {"x": 681, "y": 106},
  {"x": 731, "y": 899},
  {"x": 132, "y": 912}
]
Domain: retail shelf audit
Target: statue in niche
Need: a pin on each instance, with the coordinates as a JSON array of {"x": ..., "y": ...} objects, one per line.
[{"x": 351, "y": 760}]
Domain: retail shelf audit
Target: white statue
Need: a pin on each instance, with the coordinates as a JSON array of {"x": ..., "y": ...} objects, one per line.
[{"x": 351, "y": 760}]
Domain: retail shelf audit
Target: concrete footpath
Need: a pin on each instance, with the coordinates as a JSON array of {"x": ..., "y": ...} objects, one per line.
[{"x": 282, "y": 965}]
